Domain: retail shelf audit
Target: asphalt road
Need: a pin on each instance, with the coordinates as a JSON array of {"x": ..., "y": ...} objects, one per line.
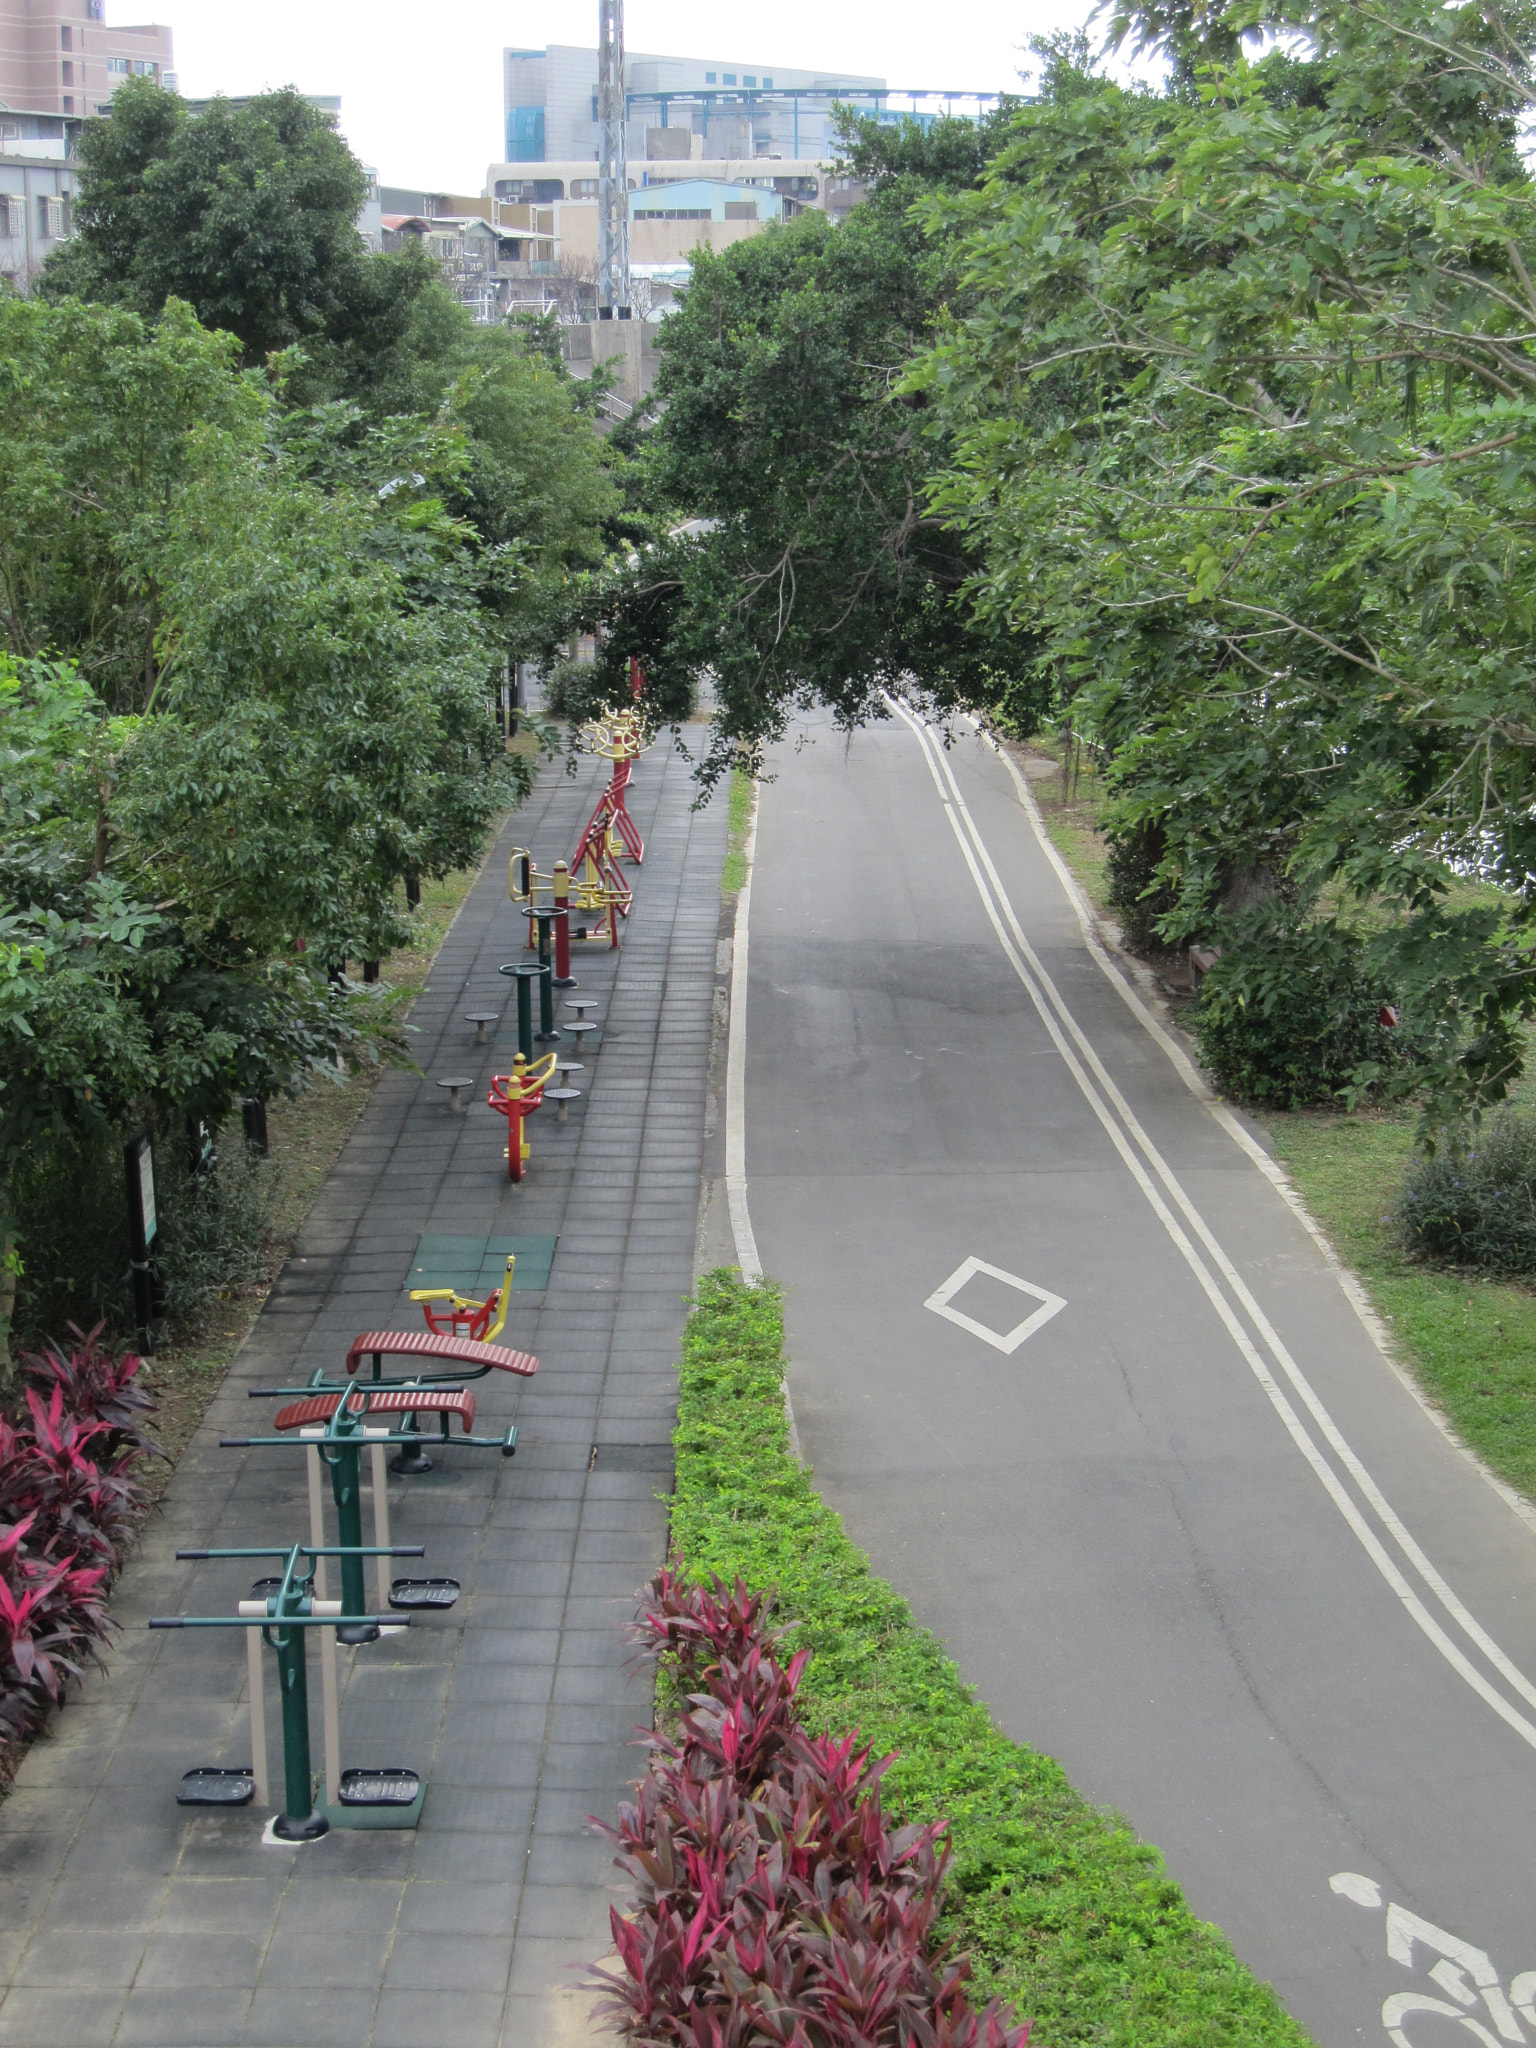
[{"x": 1192, "y": 1534}]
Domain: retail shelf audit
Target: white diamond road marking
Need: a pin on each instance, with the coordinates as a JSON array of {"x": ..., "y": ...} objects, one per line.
[{"x": 939, "y": 1301}]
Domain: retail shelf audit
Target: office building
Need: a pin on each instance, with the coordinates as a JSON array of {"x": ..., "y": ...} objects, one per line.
[
  {"x": 734, "y": 109},
  {"x": 37, "y": 190},
  {"x": 60, "y": 57}
]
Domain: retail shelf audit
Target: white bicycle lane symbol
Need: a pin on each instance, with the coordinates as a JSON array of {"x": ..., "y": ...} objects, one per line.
[{"x": 1465, "y": 1975}]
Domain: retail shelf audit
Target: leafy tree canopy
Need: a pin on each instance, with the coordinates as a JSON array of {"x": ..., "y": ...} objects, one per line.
[
  {"x": 248, "y": 214},
  {"x": 1240, "y": 395},
  {"x": 814, "y": 570}
]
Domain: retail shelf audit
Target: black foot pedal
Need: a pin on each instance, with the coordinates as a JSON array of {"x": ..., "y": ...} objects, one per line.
[
  {"x": 379, "y": 1788},
  {"x": 423, "y": 1592},
  {"x": 211, "y": 1786}
]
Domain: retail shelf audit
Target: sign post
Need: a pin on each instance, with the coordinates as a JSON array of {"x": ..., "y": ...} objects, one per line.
[{"x": 143, "y": 1229}]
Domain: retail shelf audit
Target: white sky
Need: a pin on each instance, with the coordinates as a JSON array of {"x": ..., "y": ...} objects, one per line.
[{"x": 421, "y": 91}]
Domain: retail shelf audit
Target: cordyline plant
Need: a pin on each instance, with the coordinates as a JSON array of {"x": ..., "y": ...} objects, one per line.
[
  {"x": 776, "y": 1907},
  {"x": 67, "y": 1507}
]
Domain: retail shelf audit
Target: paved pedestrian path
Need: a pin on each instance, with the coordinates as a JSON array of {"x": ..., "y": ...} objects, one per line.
[{"x": 124, "y": 1919}]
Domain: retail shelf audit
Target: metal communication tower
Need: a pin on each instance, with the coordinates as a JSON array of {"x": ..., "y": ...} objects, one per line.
[{"x": 612, "y": 173}]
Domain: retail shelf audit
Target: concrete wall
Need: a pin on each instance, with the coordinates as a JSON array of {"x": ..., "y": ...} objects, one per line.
[
  {"x": 650, "y": 241},
  {"x": 35, "y": 199},
  {"x": 562, "y": 79},
  {"x": 55, "y": 55}
]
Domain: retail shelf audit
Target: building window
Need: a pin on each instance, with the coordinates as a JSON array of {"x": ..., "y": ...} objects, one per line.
[
  {"x": 525, "y": 135},
  {"x": 69, "y": 71},
  {"x": 709, "y": 78},
  {"x": 118, "y": 67},
  {"x": 673, "y": 213},
  {"x": 13, "y": 213},
  {"x": 50, "y": 219},
  {"x": 583, "y": 188},
  {"x": 69, "y": 104},
  {"x": 144, "y": 68},
  {"x": 66, "y": 39},
  {"x": 749, "y": 78},
  {"x": 729, "y": 78},
  {"x": 767, "y": 85}
]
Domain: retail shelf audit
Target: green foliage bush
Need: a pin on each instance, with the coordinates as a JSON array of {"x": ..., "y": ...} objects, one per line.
[
  {"x": 1063, "y": 1911},
  {"x": 216, "y": 1230},
  {"x": 1473, "y": 1201},
  {"x": 1290, "y": 1014},
  {"x": 1136, "y": 896}
]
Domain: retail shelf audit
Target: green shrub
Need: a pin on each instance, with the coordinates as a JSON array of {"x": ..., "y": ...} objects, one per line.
[
  {"x": 1473, "y": 1202},
  {"x": 1063, "y": 1911},
  {"x": 567, "y": 687},
  {"x": 1290, "y": 1015},
  {"x": 215, "y": 1234},
  {"x": 1136, "y": 896}
]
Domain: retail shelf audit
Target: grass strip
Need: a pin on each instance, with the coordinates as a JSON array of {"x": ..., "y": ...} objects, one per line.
[
  {"x": 1470, "y": 1341},
  {"x": 734, "y": 874},
  {"x": 1062, "y": 1910}
]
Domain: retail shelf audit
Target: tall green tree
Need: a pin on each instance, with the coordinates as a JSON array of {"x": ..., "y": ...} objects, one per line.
[
  {"x": 818, "y": 573},
  {"x": 1242, "y": 418},
  {"x": 248, "y": 214}
]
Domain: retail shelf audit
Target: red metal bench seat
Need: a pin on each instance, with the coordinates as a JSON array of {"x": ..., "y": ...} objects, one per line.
[
  {"x": 428, "y": 1344},
  {"x": 319, "y": 1408}
]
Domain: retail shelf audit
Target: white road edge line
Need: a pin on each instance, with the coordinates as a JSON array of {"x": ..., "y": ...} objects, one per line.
[
  {"x": 1275, "y": 1174},
  {"x": 1453, "y": 1606},
  {"x": 736, "y": 1077},
  {"x": 964, "y": 834}
]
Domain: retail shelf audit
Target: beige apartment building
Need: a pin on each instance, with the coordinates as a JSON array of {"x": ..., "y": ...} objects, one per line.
[{"x": 60, "y": 57}]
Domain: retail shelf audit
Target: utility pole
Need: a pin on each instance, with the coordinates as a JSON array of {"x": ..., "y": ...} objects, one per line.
[{"x": 612, "y": 174}]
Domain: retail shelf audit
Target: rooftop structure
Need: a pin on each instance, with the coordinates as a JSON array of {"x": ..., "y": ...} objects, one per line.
[
  {"x": 737, "y": 109},
  {"x": 37, "y": 190},
  {"x": 60, "y": 57}
]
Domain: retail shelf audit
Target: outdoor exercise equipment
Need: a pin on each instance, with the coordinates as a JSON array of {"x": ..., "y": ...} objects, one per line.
[
  {"x": 553, "y": 921},
  {"x": 620, "y": 739},
  {"x": 583, "y": 1023},
  {"x": 523, "y": 975},
  {"x": 483, "y": 1320},
  {"x": 281, "y": 1610},
  {"x": 589, "y": 898},
  {"x": 335, "y": 1422},
  {"x": 516, "y": 1096},
  {"x": 470, "y": 1359}
]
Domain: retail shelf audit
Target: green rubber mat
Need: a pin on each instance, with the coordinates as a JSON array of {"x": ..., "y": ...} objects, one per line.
[{"x": 474, "y": 1265}]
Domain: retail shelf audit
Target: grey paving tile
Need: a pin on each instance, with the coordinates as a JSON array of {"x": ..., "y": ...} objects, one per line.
[
  {"x": 35, "y": 2018},
  {"x": 309, "y": 2018},
  {"x": 350, "y": 1959},
  {"x": 179, "y": 2019},
  {"x": 455, "y": 1908},
  {"x": 426, "y": 2019},
  {"x": 68, "y": 1960},
  {"x": 439, "y": 1961}
]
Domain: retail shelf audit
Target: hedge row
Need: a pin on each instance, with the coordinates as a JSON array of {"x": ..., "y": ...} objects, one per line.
[{"x": 1064, "y": 1913}]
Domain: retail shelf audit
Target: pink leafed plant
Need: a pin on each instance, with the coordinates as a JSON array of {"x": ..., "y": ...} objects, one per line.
[
  {"x": 67, "y": 1510},
  {"x": 775, "y": 1905}
]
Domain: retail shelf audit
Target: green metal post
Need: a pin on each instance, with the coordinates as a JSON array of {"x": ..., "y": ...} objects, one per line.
[
  {"x": 547, "y": 1031},
  {"x": 346, "y": 1486},
  {"x": 525, "y": 1017},
  {"x": 299, "y": 1822}
]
